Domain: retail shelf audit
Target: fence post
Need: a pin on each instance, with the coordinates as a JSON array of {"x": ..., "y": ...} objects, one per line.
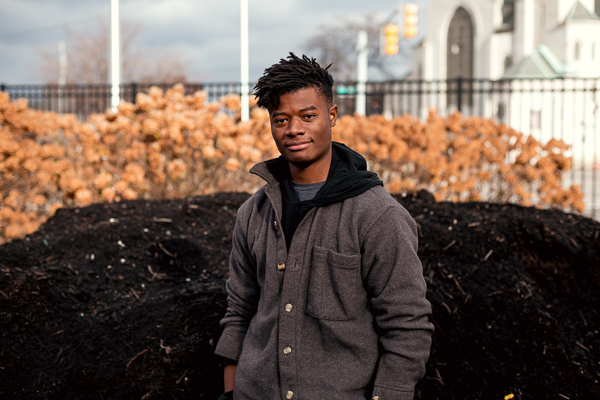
[
  {"x": 459, "y": 93},
  {"x": 595, "y": 202},
  {"x": 2, "y": 87},
  {"x": 133, "y": 92}
]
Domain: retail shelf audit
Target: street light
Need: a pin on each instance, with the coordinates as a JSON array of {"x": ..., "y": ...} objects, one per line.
[
  {"x": 411, "y": 20},
  {"x": 391, "y": 39}
]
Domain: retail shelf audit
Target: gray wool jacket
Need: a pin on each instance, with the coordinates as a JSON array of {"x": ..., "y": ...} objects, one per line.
[{"x": 341, "y": 315}]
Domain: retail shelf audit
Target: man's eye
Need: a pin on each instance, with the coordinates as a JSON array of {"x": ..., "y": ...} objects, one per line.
[{"x": 309, "y": 116}]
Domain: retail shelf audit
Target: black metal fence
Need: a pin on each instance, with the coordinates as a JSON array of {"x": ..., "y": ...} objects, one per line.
[
  {"x": 565, "y": 109},
  {"x": 84, "y": 100}
]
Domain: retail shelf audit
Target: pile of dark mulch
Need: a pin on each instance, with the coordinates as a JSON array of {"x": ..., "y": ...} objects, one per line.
[{"x": 122, "y": 301}]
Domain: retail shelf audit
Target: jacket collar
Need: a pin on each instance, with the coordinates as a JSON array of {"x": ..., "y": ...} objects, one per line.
[{"x": 271, "y": 171}]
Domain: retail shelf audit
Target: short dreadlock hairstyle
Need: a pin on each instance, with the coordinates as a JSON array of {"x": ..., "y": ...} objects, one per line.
[{"x": 289, "y": 76}]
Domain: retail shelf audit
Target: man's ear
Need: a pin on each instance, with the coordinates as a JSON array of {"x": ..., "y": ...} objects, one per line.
[{"x": 333, "y": 115}]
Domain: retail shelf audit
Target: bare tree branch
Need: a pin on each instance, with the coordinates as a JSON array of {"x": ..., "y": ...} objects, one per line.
[
  {"x": 335, "y": 44},
  {"x": 89, "y": 60}
]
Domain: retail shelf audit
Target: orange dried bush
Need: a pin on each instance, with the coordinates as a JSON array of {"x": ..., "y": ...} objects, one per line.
[
  {"x": 32, "y": 150},
  {"x": 168, "y": 144},
  {"x": 462, "y": 159}
]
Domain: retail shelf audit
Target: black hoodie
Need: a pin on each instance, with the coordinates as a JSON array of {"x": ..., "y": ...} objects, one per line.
[{"x": 347, "y": 177}]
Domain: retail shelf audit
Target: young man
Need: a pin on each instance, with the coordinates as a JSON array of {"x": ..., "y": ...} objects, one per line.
[{"x": 326, "y": 296}]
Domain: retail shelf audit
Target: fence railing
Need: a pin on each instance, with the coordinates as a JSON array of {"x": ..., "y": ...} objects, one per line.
[
  {"x": 84, "y": 100},
  {"x": 567, "y": 109}
]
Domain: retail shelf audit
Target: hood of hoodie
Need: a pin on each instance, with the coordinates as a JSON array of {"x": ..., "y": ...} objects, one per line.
[{"x": 348, "y": 177}]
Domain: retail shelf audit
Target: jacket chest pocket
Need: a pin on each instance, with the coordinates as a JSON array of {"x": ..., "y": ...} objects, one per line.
[{"x": 335, "y": 289}]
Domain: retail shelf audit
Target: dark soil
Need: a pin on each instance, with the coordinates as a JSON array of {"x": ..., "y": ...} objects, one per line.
[{"x": 123, "y": 300}]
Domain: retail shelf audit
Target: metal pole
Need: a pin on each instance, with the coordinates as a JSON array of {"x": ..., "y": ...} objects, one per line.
[
  {"x": 459, "y": 93},
  {"x": 62, "y": 74},
  {"x": 362, "y": 72},
  {"x": 115, "y": 55},
  {"x": 245, "y": 97}
]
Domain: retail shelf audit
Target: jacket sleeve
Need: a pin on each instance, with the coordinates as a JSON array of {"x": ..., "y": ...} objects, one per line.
[
  {"x": 394, "y": 279},
  {"x": 242, "y": 291}
]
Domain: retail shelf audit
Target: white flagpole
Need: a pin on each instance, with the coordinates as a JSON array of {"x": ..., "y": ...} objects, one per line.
[
  {"x": 245, "y": 97},
  {"x": 362, "y": 48},
  {"x": 63, "y": 64},
  {"x": 115, "y": 55}
]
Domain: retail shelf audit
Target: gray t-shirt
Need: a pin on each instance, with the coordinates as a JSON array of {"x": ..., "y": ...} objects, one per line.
[{"x": 307, "y": 191}]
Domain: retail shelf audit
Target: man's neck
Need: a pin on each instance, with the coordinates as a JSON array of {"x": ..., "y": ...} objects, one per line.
[{"x": 313, "y": 173}]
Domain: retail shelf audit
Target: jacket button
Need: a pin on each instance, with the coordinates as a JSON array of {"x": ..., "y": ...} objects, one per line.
[
  {"x": 281, "y": 266},
  {"x": 288, "y": 307},
  {"x": 287, "y": 350},
  {"x": 375, "y": 397},
  {"x": 289, "y": 394}
]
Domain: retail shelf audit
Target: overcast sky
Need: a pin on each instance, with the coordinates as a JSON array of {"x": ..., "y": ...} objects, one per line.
[{"x": 205, "y": 32}]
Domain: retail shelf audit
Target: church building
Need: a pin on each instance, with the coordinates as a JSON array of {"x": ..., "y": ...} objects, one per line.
[
  {"x": 494, "y": 39},
  {"x": 531, "y": 64}
]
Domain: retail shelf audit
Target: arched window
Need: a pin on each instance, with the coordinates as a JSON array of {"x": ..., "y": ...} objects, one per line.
[{"x": 459, "y": 57}]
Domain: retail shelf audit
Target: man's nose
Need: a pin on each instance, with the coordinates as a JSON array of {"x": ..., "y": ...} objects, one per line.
[{"x": 296, "y": 127}]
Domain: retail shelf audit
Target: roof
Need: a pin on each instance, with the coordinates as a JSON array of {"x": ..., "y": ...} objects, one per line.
[
  {"x": 579, "y": 13},
  {"x": 541, "y": 63}
]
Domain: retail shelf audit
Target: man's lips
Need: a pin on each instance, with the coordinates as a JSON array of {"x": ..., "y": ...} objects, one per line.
[{"x": 295, "y": 146}]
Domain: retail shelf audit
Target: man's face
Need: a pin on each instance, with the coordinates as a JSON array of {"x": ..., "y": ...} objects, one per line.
[{"x": 301, "y": 127}]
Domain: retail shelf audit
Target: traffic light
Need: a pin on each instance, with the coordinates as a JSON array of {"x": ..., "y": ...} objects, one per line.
[
  {"x": 411, "y": 20},
  {"x": 391, "y": 39}
]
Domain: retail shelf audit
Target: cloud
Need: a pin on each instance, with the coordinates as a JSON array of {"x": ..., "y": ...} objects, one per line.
[{"x": 207, "y": 33}]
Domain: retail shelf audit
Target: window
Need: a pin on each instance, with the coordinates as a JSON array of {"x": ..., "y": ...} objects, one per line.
[
  {"x": 501, "y": 112},
  {"x": 507, "y": 62},
  {"x": 536, "y": 119},
  {"x": 508, "y": 10}
]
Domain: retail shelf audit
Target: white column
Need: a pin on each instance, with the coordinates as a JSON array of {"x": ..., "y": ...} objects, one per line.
[
  {"x": 524, "y": 33},
  {"x": 529, "y": 21}
]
